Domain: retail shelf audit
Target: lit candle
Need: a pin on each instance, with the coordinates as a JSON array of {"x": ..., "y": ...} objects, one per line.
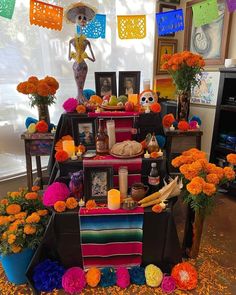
[
  {"x": 133, "y": 98},
  {"x": 123, "y": 182},
  {"x": 160, "y": 153},
  {"x": 79, "y": 153},
  {"x": 69, "y": 147},
  {"x": 81, "y": 202},
  {"x": 53, "y": 131},
  {"x": 172, "y": 128},
  {"x": 147, "y": 155},
  {"x": 113, "y": 199},
  {"x": 111, "y": 133},
  {"x": 98, "y": 110},
  {"x": 74, "y": 157}
]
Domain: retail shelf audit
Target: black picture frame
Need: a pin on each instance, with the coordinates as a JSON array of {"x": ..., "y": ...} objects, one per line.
[
  {"x": 171, "y": 1},
  {"x": 89, "y": 182},
  {"x": 78, "y": 127},
  {"x": 132, "y": 78},
  {"x": 110, "y": 78},
  {"x": 165, "y": 8}
]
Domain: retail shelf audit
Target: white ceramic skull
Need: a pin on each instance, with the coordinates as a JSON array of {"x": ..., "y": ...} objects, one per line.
[{"x": 147, "y": 97}]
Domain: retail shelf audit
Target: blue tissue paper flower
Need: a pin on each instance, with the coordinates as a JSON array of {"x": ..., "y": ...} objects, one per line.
[
  {"x": 196, "y": 118},
  {"x": 47, "y": 276},
  {"x": 88, "y": 93},
  {"x": 30, "y": 120},
  {"x": 175, "y": 124},
  {"x": 137, "y": 275},
  {"x": 108, "y": 277},
  {"x": 161, "y": 141}
]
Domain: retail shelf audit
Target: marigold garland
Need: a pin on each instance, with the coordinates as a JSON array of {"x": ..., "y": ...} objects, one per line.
[{"x": 60, "y": 206}]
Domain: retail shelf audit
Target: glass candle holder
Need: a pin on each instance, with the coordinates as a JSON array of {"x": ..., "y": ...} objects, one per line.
[
  {"x": 113, "y": 199},
  {"x": 123, "y": 182},
  {"x": 69, "y": 147},
  {"x": 146, "y": 84}
]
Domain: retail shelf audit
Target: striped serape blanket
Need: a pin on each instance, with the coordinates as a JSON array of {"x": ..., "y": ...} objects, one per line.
[{"x": 111, "y": 238}]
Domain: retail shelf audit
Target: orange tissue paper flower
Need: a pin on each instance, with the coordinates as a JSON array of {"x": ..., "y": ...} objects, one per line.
[
  {"x": 213, "y": 178},
  {"x": 31, "y": 196},
  {"x": 183, "y": 125},
  {"x": 13, "y": 209},
  {"x": 229, "y": 173},
  {"x": 155, "y": 107},
  {"x": 71, "y": 203},
  {"x": 33, "y": 218},
  {"x": 231, "y": 158},
  {"x": 168, "y": 120},
  {"x": 209, "y": 189},
  {"x": 185, "y": 276},
  {"x": 60, "y": 206},
  {"x": 81, "y": 109},
  {"x": 42, "y": 126},
  {"x": 29, "y": 229},
  {"x": 91, "y": 204},
  {"x": 93, "y": 277},
  {"x": 61, "y": 156}
]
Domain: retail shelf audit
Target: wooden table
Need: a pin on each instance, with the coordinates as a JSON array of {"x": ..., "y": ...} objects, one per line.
[
  {"x": 36, "y": 144},
  {"x": 179, "y": 141}
]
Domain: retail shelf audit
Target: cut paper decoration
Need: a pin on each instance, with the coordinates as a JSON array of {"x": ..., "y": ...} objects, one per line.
[
  {"x": 170, "y": 22},
  {"x": 131, "y": 26},
  {"x": 7, "y": 8},
  {"x": 46, "y": 15},
  {"x": 231, "y": 5},
  {"x": 95, "y": 29},
  {"x": 205, "y": 12}
]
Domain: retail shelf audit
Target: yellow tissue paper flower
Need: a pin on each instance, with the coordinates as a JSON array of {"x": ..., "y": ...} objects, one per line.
[
  {"x": 153, "y": 275},
  {"x": 32, "y": 128}
]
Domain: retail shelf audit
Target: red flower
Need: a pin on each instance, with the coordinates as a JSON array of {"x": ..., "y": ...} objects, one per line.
[
  {"x": 183, "y": 126},
  {"x": 61, "y": 156},
  {"x": 155, "y": 107},
  {"x": 42, "y": 126},
  {"x": 168, "y": 120}
]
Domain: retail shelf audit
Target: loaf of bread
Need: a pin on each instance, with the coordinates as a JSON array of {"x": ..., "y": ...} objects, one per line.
[{"x": 127, "y": 148}]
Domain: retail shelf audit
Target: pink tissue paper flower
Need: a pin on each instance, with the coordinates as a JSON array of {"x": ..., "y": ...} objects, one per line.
[
  {"x": 74, "y": 281},
  {"x": 70, "y": 105},
  {"x": 168, "y": 284},
  {"x": 123, "y": 277},
  {"x": 57, "y": 191},
  {"x": 193, "y": 125}
]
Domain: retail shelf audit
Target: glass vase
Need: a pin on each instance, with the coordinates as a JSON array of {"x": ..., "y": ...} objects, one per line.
[
  {"x": 43, "y": 113},
  {"x": 183, "y": 104}
]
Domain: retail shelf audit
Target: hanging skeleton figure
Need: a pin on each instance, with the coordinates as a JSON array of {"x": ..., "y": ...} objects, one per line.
[{"x": 80, "y": 14}]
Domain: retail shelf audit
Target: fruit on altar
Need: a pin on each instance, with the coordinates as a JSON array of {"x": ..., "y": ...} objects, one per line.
[
  {"x": 106, "y": 98},
  {"x": 123, "y": 98},
  {"x": 120, "y": 104},
  {"x": 129, "y": 106},
  {"x": 81, "y": 109},
  {"x": 113, "y": 101},
  {"x": 95, "y": 100}
]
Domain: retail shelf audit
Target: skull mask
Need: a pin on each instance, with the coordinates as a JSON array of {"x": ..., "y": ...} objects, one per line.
[{"x": 147, "y": 97}]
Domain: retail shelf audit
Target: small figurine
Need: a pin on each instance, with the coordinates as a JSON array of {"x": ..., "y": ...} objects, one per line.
[
  {"x": 76, "y": 184},
  {"x": 147, "y": 97}
]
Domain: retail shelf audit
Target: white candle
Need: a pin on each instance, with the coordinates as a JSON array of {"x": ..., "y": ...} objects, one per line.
[
  {"x": 147, "y": 155},
  {"x": 113, "y": 199},
  {"x": 69, "y": 147},
  {"x": 111, "y": 133},
  {"x": 123, "y": 182},
  {"x": 146, "y": 84},
  {"x": 172, "y": 128}
]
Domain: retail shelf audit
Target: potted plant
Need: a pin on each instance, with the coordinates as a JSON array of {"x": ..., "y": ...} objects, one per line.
[
  {"x": 41, "y": 94},
  {"x": 201, "y": 181},
  {"x": 185, "y": 68},
  {"x": 23, "y": 219}
]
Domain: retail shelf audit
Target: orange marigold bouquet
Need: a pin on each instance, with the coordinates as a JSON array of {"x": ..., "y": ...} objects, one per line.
[
  {"x": 23, "y": 219},
  {"x": 40, "y": 92},
  {"x": 185, "y": 68},
  {"x": 201, "y": 179}
]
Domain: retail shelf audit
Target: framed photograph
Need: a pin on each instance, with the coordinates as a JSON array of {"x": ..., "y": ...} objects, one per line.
[
  {"x": 129, "y": 83},
  {"x": 97, "y": 181},
  {"x": 84, "y": 131},
  {"x": 166, "y": 8},
  {"x": 211, "y": 40},
  {"x": 105, "y": 83},
  {"x": 165, "y": 46},
  {"x": 171, "y": 1}
]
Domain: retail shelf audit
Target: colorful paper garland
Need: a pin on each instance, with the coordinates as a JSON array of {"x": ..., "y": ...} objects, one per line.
[
  {"x": 46, "y": 15},
  {"x": 205, "y": 12},
  {"x": 96, "y": 28},
  {"x": 7, "y": 8},
  {"x": 231, "y": 5},
  {"x": 170, "y": 22},
  {"x": 131, "y": 26}
]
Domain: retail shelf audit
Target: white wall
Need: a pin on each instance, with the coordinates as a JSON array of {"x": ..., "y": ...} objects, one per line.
[{"x": 27, "y": 50}]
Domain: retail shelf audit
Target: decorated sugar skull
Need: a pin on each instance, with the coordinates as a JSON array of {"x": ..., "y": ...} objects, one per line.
[{"x": 147, "y": 97}]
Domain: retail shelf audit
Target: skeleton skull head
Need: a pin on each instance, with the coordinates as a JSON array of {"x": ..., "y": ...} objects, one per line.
[
  {"x": 147, "y": 97},
  {"x": 81, "y": 20}
]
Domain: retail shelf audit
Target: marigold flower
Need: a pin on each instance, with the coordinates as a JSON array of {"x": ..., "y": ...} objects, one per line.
[
  {"x": 13, "y": 209},
  {"x": 34, "y": 80},
  {"x": 16, "y": 248},
  {"x": 21, "y": 87},
  {"x": 165, "y": 57},
  {"x": 21, "y": 215},
  {"x": 4, "y": 220},
  {"x": 229, "y": 173},
  {"x": 219, "y": 172},
  {"x": 33, "y": 218},
  {"x": 181, "y": 160},
  {"x": 194, "y": 187},
  {"x": 81, "y": 109},
  {"x": 190, "y": 152},
  {"x": 13, "y": 227},
  {"x": 31, "y": 196},
  {"x": 231, "y": 158},
  {"x": 203, "y": 163},
  {"x": 198, "y": 179},
  {"x": 4, "y": 235},
  {"x": 51, "y": 82},
  {"x": 42, "y": 212},
  {"x": 11, "y": 218},
  {"x": 213, "y": 178},
  {"x": 35, "y": 188},
  {"x": 209, "y": 189},
  {"x": 60, "y": 206},
  {"x": 210, "y": 168},
  {"x": 91, "y": 204},
  {"x": 4, "y": 202},
  {"x": 31, "y": 88},
  {"x": 43, "y": 89},
  {"x": 15, "y": 194},
  {"x": 71, "y": 203},
  {"x": 29, "y": 229},
  {"x": 11, "y": 239}
]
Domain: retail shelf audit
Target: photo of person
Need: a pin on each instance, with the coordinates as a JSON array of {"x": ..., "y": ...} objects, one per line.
[
  {"x": 105, "y": 84},
  {"x": 86, "y": 133},
  {"x": 99, "y": 184},
  {"x": 129, "y": 85}
]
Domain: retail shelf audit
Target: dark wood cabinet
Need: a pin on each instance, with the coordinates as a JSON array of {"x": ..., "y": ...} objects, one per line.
[{"x": 224, "y": 134}]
